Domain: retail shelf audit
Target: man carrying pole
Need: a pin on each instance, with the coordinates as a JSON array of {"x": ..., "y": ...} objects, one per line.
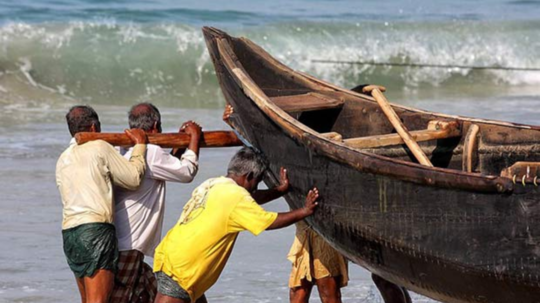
[{"x": 85, "y": 175}]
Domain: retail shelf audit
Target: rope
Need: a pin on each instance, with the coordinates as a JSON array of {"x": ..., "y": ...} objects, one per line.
[{"x": 534, "y": 69}]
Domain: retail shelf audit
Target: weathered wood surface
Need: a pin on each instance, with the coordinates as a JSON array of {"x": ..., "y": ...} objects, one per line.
[
  {"x": 306, "y": 102},
  {"x": 470, "y": 149},
  {"x": 398, "y": 125},
  {"x": 450, "y": 235},
  {"x": 447, "y": 130},
  {"x": 166, "y": 140}
]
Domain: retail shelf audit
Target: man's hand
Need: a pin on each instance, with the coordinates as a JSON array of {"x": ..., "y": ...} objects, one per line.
[
  {"x": 283, "y": 186},
  {"x": 227, "y": 113},
  {"x": 191, "y": 128},
  {"x": 293, "y": 216},
  {"x": 136, "y": 135},
  {"x": 311, "y": 201},
  {"x": 195, "y": 131}
]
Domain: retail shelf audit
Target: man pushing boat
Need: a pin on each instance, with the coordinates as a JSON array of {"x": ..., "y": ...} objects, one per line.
[{"x": 193, "y": 254}]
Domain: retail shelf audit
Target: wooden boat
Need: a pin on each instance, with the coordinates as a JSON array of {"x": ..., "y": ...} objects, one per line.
[{"x": 466, "y": 229}]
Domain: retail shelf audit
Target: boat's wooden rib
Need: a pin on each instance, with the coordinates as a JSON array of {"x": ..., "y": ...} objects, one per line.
[
  {"x": 456, "y": 232},
  {"x": 470, "y": 149}
]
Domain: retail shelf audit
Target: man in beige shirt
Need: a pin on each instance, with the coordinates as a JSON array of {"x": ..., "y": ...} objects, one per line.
[{"x": 85, "y": 175}]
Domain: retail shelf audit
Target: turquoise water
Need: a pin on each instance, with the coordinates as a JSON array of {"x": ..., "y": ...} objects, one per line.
[{"x": 111, "y": 54}]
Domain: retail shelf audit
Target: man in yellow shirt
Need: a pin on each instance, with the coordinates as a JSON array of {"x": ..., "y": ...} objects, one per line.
[
  {"x": 85, "y": 175},
  {"x": 190, "y": 258}
]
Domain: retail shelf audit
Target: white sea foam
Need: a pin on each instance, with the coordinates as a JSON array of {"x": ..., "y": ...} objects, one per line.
[{"x": 103, "y": 60}]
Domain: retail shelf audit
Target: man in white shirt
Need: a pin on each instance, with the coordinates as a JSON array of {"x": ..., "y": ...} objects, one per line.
[{"x": 139, "y": 214}]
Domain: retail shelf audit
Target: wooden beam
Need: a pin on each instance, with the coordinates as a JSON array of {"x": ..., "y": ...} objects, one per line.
[
  {"x": 306, "y": 102},
  {"x": 442, "y": 131},
  {"x": 167, "y": 140},
  {"x": 332, "y": 136}
]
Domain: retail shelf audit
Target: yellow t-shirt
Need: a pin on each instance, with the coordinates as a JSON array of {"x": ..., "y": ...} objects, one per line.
[{"x": 195, "y": 250}]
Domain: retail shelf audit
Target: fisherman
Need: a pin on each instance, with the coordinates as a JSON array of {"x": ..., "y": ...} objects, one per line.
[
  {"x": 192, "y": 255},
  {"x": 139, "y": 214},
  {"x": 315, "y": 262},
  {"x": 85, "y": 175}
]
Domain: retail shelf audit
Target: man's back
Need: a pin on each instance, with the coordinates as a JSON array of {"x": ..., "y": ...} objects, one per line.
[
  {"x": 139, "y": 213},
  {"x": 85, "y": 174},
  {"x": 201, "y": 242}
]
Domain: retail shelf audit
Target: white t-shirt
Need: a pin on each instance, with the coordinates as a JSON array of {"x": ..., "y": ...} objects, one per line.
[{"x": 138, "y": 214}]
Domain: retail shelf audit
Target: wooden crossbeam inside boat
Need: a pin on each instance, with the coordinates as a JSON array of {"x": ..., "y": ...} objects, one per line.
[
  {"x": 306, "y": 102},
  {"x": 333, "y": 136},
  {"x": 435, "y": 130}
]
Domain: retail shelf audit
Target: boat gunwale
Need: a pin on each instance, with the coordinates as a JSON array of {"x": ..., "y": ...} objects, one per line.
[{"x": 431, "y": 176}]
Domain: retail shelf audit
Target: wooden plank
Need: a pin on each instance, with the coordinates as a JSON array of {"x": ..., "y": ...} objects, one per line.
[
  {"x": 167, "y": 140},
  {"x": 332, "y": 136},
  {"x": 448, "y": 130},
  {"x": 470, "y": 149},
  {"x": 306, "y": 102}
]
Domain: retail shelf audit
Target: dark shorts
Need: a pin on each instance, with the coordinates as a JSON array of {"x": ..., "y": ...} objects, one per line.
[
  {"x": 89, "y": 247},
  {"x": 167, "y": 286}
]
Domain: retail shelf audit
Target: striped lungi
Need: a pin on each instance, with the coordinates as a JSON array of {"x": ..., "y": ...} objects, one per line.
[{"x": 135, "y": 281}]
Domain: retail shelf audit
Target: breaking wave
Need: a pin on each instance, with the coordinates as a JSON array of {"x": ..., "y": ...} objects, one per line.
[{"x": 106, "y": 62}]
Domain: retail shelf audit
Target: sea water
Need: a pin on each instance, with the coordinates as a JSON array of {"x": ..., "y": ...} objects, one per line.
[{"x": 112, "y": 54}]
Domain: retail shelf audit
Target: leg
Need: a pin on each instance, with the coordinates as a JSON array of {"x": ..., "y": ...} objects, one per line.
[
  {"x": 161, "y": 298},
  {"x": 406, "y": 294},
  {"x": 391, "y": 292},
  {"x": 99, "y": 287},
  {"x": 80, "y": 284},
  {"x": 329, "y": 290},
  {"x": 301, "y": 293},
  {"x": 202, "y": 299}
]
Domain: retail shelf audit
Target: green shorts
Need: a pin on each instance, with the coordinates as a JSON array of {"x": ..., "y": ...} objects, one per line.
[{"x": 89, "y": 247}]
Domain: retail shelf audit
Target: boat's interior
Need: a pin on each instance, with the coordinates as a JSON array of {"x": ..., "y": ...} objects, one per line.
[{"x": 471, "y": 145}]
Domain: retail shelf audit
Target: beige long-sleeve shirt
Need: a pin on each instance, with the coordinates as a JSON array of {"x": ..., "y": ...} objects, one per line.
[{"x": 85, "y": 175}]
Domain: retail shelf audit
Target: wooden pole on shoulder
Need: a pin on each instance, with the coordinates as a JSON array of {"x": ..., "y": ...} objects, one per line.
[
  {"x": 166, "y": 140},
  {"x": 398, "y": 125}
]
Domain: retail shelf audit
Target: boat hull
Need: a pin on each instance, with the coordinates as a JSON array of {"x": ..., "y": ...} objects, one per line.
[{"x": 453, "y": 245}]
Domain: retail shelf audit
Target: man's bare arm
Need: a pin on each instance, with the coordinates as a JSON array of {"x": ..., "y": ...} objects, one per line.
[
  {"x": 288, "y": 218},
  {"x": 194, "y": 130},
  {"x": 267, "y": 195}
]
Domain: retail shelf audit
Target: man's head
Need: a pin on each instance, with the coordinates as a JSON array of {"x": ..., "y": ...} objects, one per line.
[
  {"x": 82, "y": 118},
  {"x": 247, "y": 168},
  {"x": 146, "y": 117}
]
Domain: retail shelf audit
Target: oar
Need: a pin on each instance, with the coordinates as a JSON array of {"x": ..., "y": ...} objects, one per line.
[
  {"x": 398, "y": 125},
  {"x": 172, "y": 140}
]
